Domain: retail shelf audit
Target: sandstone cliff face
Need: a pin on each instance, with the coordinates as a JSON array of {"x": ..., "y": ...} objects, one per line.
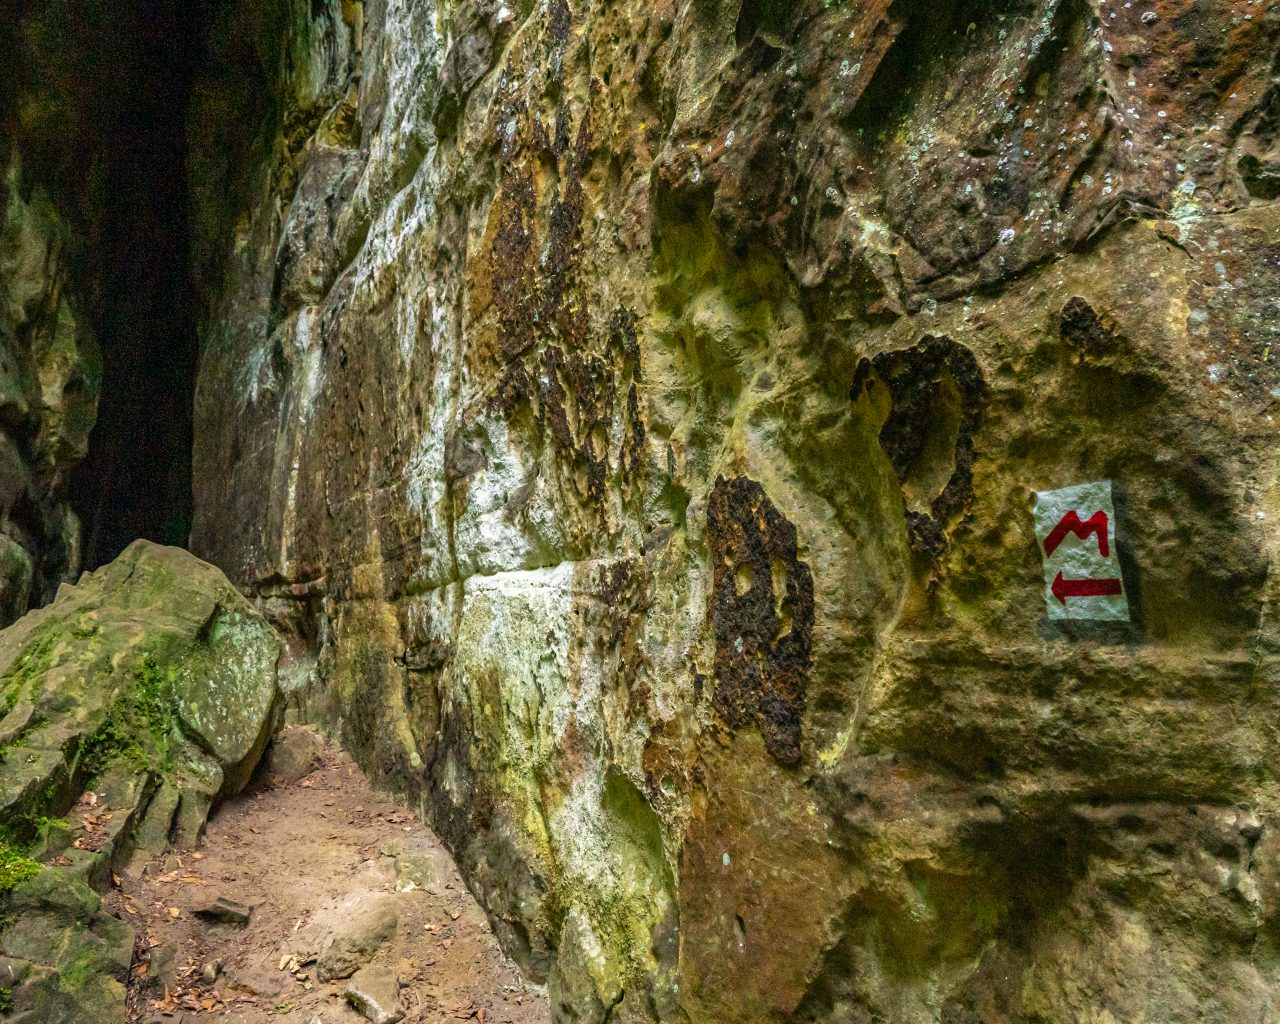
[
  {"x": 635, "y": 413},
  {"x": 93, "y": 261},
  {"x": 50, "y": 365}
]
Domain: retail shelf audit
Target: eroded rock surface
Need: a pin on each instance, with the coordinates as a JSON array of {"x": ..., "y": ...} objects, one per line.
[
  {"x": 375, "y": 993},
  {"x": 633, "y": 414},
  {"x": 96, "y": 310}
]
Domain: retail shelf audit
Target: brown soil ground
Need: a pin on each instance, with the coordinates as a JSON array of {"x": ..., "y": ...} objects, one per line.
[{"x": 310, "y": 857}]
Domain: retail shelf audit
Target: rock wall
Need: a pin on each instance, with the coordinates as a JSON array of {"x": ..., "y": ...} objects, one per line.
[
  {"x": 93, "y": 265},
  {"x": 49, "y": 379},
  {"x": 50, "y": 370},
  {"x": 636, "y": 414},
  {"x": 50, "y": 365}
]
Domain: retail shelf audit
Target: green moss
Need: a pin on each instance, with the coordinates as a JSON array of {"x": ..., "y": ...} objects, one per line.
[
  {"x": 139, "y": 724},
  {"x": 29, "y": 669},
  {"x": 8, "y": 750},
  {"x": 28, "y": 821},
  {"x": 85, "y": 628},
  {"x": 43, "y": 824},
  {"x": 153, "y": 699},
  {"x": 84, "y": 967},
  {"x": 15, "y": 867},
  {"x": 6, "y": 1001},
  {"x": 74, "y": 976}
]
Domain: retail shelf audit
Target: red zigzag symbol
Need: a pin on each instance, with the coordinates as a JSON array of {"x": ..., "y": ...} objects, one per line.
[{"x": 1096, "y": 524}]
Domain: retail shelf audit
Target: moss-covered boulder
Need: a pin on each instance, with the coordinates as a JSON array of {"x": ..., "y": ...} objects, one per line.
[{"x": 138, "y": 698}]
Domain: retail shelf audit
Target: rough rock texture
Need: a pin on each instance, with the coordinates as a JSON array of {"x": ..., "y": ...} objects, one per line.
[
  {"x": 49, "y": 380},
  {"x": 352, "y": 945},
  {"x": 375, "y": 994},
  {"x": 294, "y": 753},
  {"x": 135, "y": 700},
  {"x": 633, "y": 414}
]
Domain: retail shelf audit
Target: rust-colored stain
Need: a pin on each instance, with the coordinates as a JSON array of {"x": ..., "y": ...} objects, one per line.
[{"x": 762, "y": 613}]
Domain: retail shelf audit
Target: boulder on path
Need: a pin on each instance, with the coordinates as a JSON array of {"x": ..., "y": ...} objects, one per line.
[
  {"x": 140, "y": 697},
  {"x": 295, "y": 753},
  {"x": 225, "y": 910},
  {"x": 356, "y": 938},
  {"x": 375, "y": 993}
]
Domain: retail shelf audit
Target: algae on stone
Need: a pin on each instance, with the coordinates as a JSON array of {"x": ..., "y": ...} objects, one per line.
[{"x": 640, "y": 406}]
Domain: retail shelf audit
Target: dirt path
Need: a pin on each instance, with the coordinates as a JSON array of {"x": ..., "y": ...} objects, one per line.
[{"x": 338, "y": 879}]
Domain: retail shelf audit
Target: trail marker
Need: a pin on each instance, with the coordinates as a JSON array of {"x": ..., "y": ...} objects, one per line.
[{"x": 1076, "y": 532}]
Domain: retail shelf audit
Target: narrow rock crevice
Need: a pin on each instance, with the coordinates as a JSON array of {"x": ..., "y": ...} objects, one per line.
[
  {"x": 136, "y": 479},
  {"x": 95, "y": 104}
]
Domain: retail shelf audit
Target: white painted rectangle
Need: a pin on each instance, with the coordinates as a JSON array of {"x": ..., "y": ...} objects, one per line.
[{"x": 1076, "y": 532}]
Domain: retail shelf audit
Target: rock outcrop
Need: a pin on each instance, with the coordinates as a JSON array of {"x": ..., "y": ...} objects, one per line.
[
  {"x": 634, "y": 414},
  {"x": 132, "y": 703}
]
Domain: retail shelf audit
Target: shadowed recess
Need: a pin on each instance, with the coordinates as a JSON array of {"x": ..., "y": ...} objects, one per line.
[{"x": 97, "y": 96}]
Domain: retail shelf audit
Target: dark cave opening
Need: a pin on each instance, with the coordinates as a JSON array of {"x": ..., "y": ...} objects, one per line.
[
  {"x": 136, "y": 479},
  {"x": 95, "y": 96}
]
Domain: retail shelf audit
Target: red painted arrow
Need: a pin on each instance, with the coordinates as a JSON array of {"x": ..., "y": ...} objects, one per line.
[
  {"x": 1096, "y": 524},
  {"x": 1063, "y": 589}
]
